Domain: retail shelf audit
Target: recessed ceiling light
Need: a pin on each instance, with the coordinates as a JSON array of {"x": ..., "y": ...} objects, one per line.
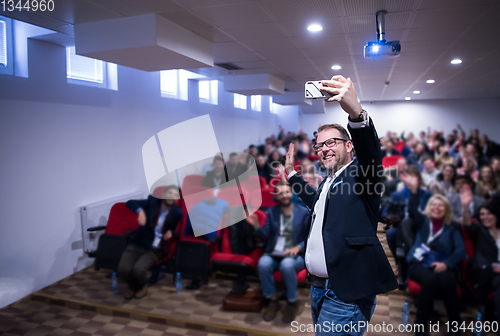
[
  {"x": 407, "y": 98},
  {"x": 456, "y": 61},
  {"x": 336, "y": 67},
  {"x": 430, "y": 81},
  {"x": 416, "y": 92},
  {"x": 314, "y": 28}
]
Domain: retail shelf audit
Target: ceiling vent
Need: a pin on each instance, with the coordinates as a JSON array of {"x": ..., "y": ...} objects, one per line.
[{"x": 229, "y": 66}]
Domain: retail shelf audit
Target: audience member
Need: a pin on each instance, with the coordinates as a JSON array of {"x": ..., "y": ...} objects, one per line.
[
  {"x": 483, "y": 269},
  {"x": 435, "y": 255},
  {"x": 205, "y": 216},
  {"x": 443, "y": 156},
  {"x": 445, "y": 182},
  {"x": 233, "y": 167},
  {"x": 429, "y": 171},
  {"x": 263, "y": 168},
  {"x": 395, "y": 211},
  {"x": 415, "y": 157},
  {"x": 389, "y": 149},
  {"x": 284, "y": 234},
  {"x": 215, "y": 177},
  {"x": 158, "y": 219},
  {"x": 464, "y": 181},
  {"x": 488, "y": 148},
  {"x": 486, "y": 183},
  {"x": 495, "y": 167}
]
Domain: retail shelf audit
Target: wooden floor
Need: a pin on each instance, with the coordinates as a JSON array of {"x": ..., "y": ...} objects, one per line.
[{"x": 84, "y": 305}]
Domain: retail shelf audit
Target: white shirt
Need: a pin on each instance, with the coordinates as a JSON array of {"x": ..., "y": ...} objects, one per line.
[{"x": 315, "y": 253}]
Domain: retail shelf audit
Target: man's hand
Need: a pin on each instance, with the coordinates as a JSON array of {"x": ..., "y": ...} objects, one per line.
[
  {"x": 345, "y": 94},
  {"x": 167, "y": 235},
  {"x": 411, "y": 181},
  {"x": 292, "y": 251},
  {"x": 439, "y": 267},
  {"x": 142, "y": 218},
  {"x": 465, "y": 196},
  {"x": 289, "y": 158},
  {"x": 496, "y": 269}
]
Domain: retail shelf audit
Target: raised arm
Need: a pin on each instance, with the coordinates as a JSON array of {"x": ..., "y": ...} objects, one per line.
[
  {"x": 299, "y": 186},
  {"x": 364, "y": 136}
]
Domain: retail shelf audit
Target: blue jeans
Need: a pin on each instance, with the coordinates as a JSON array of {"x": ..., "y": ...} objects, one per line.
[
  {"x": 288, "y": 267},
  {"x": 331, "y": 315}
]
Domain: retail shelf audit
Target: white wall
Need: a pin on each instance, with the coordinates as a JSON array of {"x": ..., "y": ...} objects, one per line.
[
  {"x": 416, "y": 116},
  {"x": 64, "y": 146}
]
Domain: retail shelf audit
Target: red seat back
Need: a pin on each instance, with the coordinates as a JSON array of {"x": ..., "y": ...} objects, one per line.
[
  {"x": 399, "y": 146},
  {"x": 121, "y": 219},
  {"x": 390, "y": 161},
  {"x": 268, "y": 197},
  {"x": 194, "y": 180},
  {"x": 232, "y": 196}
]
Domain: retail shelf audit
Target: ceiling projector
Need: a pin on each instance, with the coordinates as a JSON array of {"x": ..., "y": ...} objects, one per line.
[{"x": 381, "y": 47}]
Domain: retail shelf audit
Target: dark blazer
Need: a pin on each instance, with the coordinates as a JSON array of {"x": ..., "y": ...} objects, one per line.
[
  {"x": 485, "y": 247},
  {"x": 208, "y": 181},
  {"x": 270, "y": 231},
  {"x": 356, "y": 262},
  {"x": 234, "y": 171},
  {"x": 145, "y": 235}
]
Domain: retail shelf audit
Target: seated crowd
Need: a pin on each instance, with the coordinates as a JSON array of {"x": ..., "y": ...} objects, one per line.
[{"x": 440, "y": 191}]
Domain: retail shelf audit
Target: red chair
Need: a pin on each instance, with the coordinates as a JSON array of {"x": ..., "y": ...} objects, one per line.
[
  {"x": 232, "y": 196},
  {"x": 275, "y": 181},
  {"x": 390, "y": 161},
  {"x": 268, "y": 198},
  {"x": 301, "y": 276},
  {"x": 399, "y": 146},
  {"x": 192, "y": 180},
  {"x": 226, "y": 261},
  {"x": 121, "y": 222},
  {"x": 158, "y": 192}
]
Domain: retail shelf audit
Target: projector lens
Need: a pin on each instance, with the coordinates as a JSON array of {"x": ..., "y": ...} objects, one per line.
[{"x": 375, "y": 49}]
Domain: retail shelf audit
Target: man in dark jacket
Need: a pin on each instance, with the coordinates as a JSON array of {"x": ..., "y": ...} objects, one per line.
[
  {"x": 283, "y": 234},
  {"x": 158, "y": 219},
  {"x": 346, "y": 261}
]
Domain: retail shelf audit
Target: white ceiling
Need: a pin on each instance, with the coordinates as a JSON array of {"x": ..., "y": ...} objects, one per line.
[{"x": 270, "y": 36}]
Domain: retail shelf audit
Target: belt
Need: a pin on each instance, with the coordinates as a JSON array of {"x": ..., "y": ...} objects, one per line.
[{"x": 320, "y": 282}]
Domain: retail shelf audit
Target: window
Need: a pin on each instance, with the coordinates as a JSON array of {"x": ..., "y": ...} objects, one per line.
[
  {"x": 174, "y": 83},
  {"x": 208, "y": 90},
  {"x": 6, "y": 52},
  {"x": 168, "y": 83},
  {"x": 3, "y": 43},
  {"x": 88, "y": 71},
  {"x": 240, "y": 101},
  {"x": 272, "y": 106},
  {"x": 256, "y": 103}
]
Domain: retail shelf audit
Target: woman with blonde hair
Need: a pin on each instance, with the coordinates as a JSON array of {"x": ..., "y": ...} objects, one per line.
[{"x": 435, "y": 255}]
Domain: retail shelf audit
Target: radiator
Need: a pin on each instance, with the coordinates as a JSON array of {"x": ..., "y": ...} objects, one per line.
[{"x": 96, "y": 214}]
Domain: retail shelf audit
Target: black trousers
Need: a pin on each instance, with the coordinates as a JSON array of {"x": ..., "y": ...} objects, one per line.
[
  {"x": 435, "y": 285},
  {"x": 484, "y": 281},
  {"x": 134, "y": 265}
]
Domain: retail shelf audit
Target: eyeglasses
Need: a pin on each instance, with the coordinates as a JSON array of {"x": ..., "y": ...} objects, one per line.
[{"x": 330, "y": 143}]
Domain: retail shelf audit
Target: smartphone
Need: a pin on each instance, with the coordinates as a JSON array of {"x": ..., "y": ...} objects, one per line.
[{"x": 312, "y": 90}]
